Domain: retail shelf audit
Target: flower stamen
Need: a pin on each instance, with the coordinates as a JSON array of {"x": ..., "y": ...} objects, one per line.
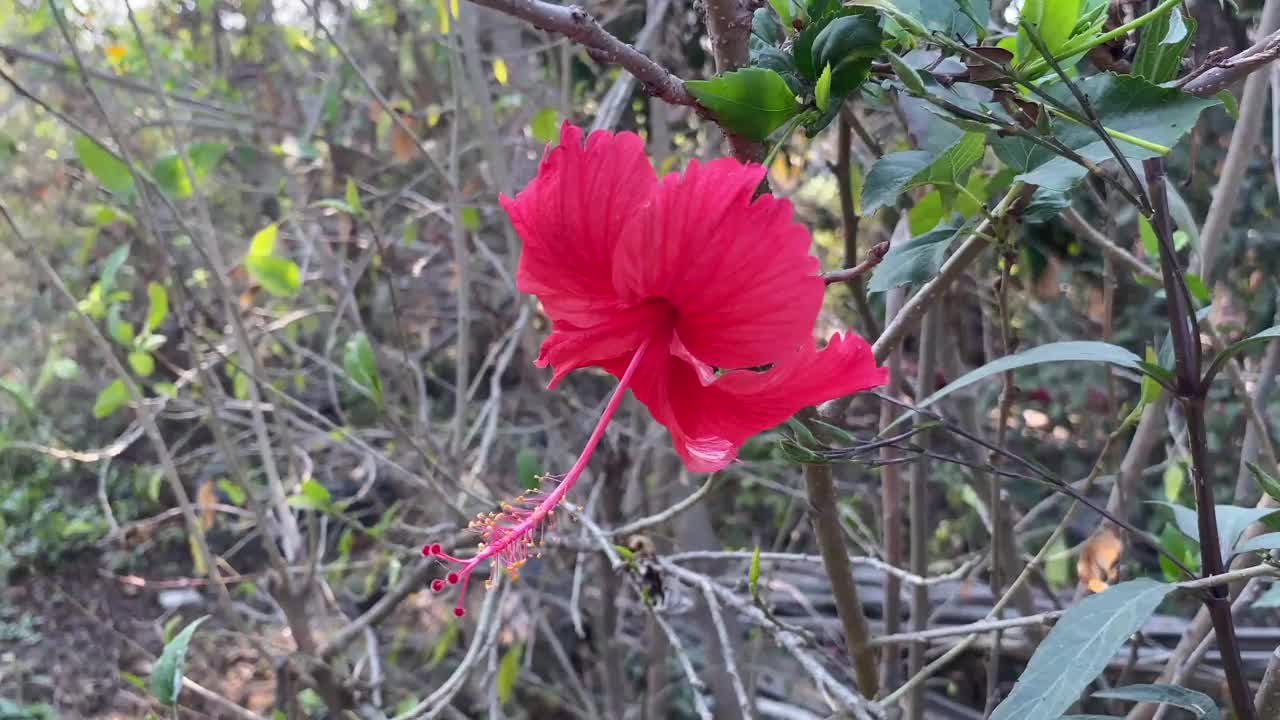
[{"x": 509, "y": 535}]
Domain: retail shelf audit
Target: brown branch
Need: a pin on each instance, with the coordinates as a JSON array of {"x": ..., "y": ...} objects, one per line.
[
  {"x": 729, "y": 27},
  {"x": 1237, "y": 67},
  {"x": 873, "y": 258},
  {"x": 576, "y": 24}
]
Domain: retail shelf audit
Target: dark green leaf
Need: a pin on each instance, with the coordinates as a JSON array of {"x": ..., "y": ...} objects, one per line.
[
  {"x": 528, "y": 469},
  {"x": 1232, "y": 522},
  {"x": 111, "y": 266},
  {"x": 752, "y": 102},
  {"x": 1078, "y": 648},
  {"x": 907, "y": 75},
  {"x": 1269, "y": 485},
  {"x": 912, "y": 262},
  {"x": 1124, "y": 103},
  {"x": 1160, "y": 49},
  {"x": 1177, "y": 544},
  {"x": 110, "y": 399},
  {"x": 899, "y": 172},
  {"x": 1197, "y": 702},
  {"x": 1071, "y": 351},
  {"x": 847, "y": 44},
  {"x": 359, "y": 363},
  {"x": 277, "y": 276},
  {"x": 770, "y": 29},
  {"x": 166, "y": 674},
  {"x": 112, "y": 173},
  {"x": 954, "y": 18},
  {"x": 1236, "y": 348}
]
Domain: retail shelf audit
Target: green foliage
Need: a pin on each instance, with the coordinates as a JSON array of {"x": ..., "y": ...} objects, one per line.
[
  {"x": 1269, "y": 484},
  {"x": 361, "y": 366},
  {"x": 1232, "y": 522},
  {"x": 508, "y": 671},
  {"x": 166, "y": 674},
  {"x": 899, "y": 172},
  {"x": 1199, "y": 704},
  {"x": 1070, "y": 351},
  {"x": 912, "y": 262},
  {"x": 111, "y": 172},
  {"x": 752, "y": 102},
  {"x": 171, "y": 176},
  {"x": 1078, "y": 648},
  {"x": 528, "y": 469},
  {"x": 1126, "y": 104},
  {"x": 544, "y": 126},
  {"x": 110, "y": 399},
  {"x": 1162, "y": 45},
  {"x": 1051, "y": 20}
]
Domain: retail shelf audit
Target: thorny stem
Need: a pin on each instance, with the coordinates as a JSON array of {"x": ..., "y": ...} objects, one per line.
[
  {"x": 509, "y": 545},
  {"x": 1191, "y": 393}
]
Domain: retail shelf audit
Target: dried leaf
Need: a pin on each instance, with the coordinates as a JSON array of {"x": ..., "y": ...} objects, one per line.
[{"x": 1100, "y": 559}]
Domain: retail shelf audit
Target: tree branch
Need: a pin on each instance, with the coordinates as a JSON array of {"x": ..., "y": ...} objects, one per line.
[{"x": 576, "y": 24}]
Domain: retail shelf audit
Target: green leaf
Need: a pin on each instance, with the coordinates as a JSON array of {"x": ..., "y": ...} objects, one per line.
[
  {"x": 441, "y": 648},
  {"x": 1232, "y": 522},
  {"x": 278, "y": 276},
  {"x": 1195, "y": 285},
  {"x": 907, "y": 75},
  {"x": 1124, "y": 103},
  {"x": 1187, "y": 552},
  {"x": 1201, "y": 705},
  {"x": 110, "y": 399},
  {"x": 848, "y": 44},
  {"x": 311, "y": 495},
  {"x": 753, "y": 573},
  {"x": 1070, "y": 351},
  {"x": 1078, "y": 649},
  {"x": 172, "y": 178},
  {"x": 543, "y": 125},
  {"x": 1174, "y": 478},
  {"x": 353, "y": 198},
  {"x": 112, "y": 173},
  {"x": 783, "y": 8},
  {"x": 508, "y": 671},
  {"x": 954, "y": 18},
  {"x": 751, "y": 102},
  {"x": 925, "y": 214},
  {"x": 899, "y": 172},
  {"x": 528, "y": 469},
  {"x": 470, "y": 218},
  {"x": 912, "y": 262},
  {"x": 1229, "y": 103},
  {"x": 1259, "y": 543},
  {"x": 121, "y": 331},
  {"x": 1160, "y": 49},
  {"x": 157, "y": 305},
  {"x": 1236, "y": 348},
  {"x": 1051, "y": 20},
  {"x": 1269, "y": 485},
  {"x": 142, "y": 363},
  {"x": 361, "y": 366},
  {"x": 822, "y": 90},
  {"x": 110, "y": 267},
  {"x": 263, "y": 243},
  {"x": 166, "y": 674},
  {"x": 234, "y": 492}
]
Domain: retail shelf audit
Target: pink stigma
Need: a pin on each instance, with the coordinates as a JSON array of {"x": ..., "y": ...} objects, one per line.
[{"x": 514, "y": 532}]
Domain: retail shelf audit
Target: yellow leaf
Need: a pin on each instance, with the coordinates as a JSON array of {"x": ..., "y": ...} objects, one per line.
[
  {"x": 115, "y": 53},
  {"x": 197, "y": 560},
  {"x": 500, "y": 71},
  {"x": 442, "y": 10},
  {"x": 453, "y": 8},
  {"x": 206, "y": 498}
]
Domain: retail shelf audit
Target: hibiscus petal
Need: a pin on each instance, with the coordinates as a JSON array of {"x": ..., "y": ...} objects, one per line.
[
  {"x": 738, "y": 271},
  {"x": 569, "y": 218},
  {"x": 608, "y": 344},
  {"x": 708, "y": 423}
]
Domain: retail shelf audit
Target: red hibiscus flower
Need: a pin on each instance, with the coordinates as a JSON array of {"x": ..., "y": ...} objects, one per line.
[{"x": 682, "y": 288}]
